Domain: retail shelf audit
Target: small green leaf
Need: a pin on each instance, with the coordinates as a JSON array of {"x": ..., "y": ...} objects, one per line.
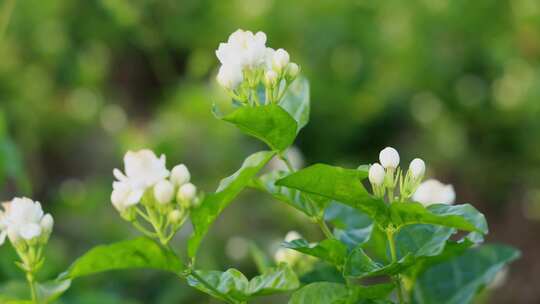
[
  {"x": 320, "y": 293},
  {"x": 306, "y": 203},
  {"x": 339, "y": 184},
  {"x": 138, "y": 253},
  {"x": 213, "y": 204},
  {"x": 410, "y": 213},
  {"x": 233, "y": 284},
  {"x": 457, "y": 280},
  {"x": 329, "y": 250},
  {"x": 360, "y": 265},
  {"x": 351, "y": 226},
  {"x": 271, "y": 124},
  {"x": 296, "y": 102}
]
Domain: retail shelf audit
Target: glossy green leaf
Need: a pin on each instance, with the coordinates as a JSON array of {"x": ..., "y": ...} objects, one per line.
[
  {"x": 372, "y": 292},
  {"x": 329, "y": 250},
  {"x": 296, "y": 102},
  {"x": 336, "y": 293},
  {"x": 320, "y": 293},
  {"x": 138, "y": 253},
  {"x": 410, "y": 213},
  {"x": 339, "y": 184},
  {"x": 457, "y": 280},
  {"x": 233, "y": 284},
  {"x": 360, "y": 265},
  {"x": 306, "y": 203},
  {"x": 469, "y": 213},
  {"x": 213, "y": 204},
  {"x": 422, "y": 240},
  {"x": 351, "y": 226},
  {"x": 270, "y": 124}
]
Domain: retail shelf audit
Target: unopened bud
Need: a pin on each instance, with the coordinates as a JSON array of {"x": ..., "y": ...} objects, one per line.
[
  {"x": 270, "y": 78},
  {"x": 187, "y": 192},
  {"x": 164, "y": 191},
  {"x": 376, "y": 174},
  {"x": 292, "y": 71},
  {"x": 417, "y": 168},
  {"x": 180, "y": 175},
  {"x": 389, "y": 158},
  {"x": 175, "y": 216}
]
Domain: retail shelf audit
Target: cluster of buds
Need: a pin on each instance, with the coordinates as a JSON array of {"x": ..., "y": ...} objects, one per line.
[
  {"x": 247, "y": 64},
  {"x": 148, "y": 194},
  {"x": 28, "y": 229},
  {"x": 387, "y": 176}
]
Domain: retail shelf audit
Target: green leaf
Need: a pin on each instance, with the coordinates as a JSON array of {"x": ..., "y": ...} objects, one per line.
[
  {"x": 270, "y": 124},
  {"x": 468, "y": 212},
  {"x": 308, "y": 204},
  {"x": 261, "y": 260},
  {"x": 339, "y": 184},
  {"x": 213, "y": 204},
  {"x": 138, "y": 253},
  {"x": 232, "y": 283},
  {"x": 329, "y": 250},
  {"x": 360, "y": 265},
  {"x": 351, "y": 226},
  {"x": 296, "y": 102},
  {"x": 410, "y": 213},
  {"x": 422, "y": 240},
  {"x": 320, "y": 293},
  {"x": 335, "y": 293},
  {"x": 275, "y": 280},
  {"x": 457, "y": 280},
  {"x": 372, "y": 292}
]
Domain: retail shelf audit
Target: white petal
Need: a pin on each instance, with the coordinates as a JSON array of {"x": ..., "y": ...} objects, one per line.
[{"x": 29, "y": 231}]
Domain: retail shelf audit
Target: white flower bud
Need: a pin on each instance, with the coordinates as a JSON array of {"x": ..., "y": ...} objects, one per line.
[
  {"x": 270, "y": 78},
  {"x": 292, "y": 70},
  {"x": 47, "y": 223},
  {"x": 376, "y": 174},
  {"x": 292, "y": 235},
  {"x": 434, "y": 192},
  {"x": 280, "y": 60},
  {"x": 389, "y": 158},
  {"x": 175, "y": 216},
  {"x": 230, "y": 76},
  {"x": 187, "y": 192},
  {"x": 417, "y": 168},
  {"x": 180, "y": 175},
  {"x": 164, "y": 192}
]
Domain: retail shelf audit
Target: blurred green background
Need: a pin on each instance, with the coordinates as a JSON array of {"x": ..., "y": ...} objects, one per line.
[{"x": 454, "y": 82}]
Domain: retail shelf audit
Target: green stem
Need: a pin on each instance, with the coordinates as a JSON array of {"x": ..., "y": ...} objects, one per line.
[
  {"x": 393, "y": 254},
  {"x": 225, "y": 297},
  {"x": 32, "y": 284},
  {"x": 325, "y": 229},
  {"x": 5, "y": 16}
]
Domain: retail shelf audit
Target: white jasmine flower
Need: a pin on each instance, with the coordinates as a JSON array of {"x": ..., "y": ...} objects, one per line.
[
  {"x": 230, "y": 76},
  {"x": 376, "y": 174},
  {"x": 22, "y": 219},
  {"x": 295, "y": 158},
  {"x": 164, "y": 191},
  {"x": 243, "y": 49},
  {"x": 124, "y": 195},
  {"x": 289, "y": 256},
  {"x": 143, "y": 169},
  {"x": 280, "y": 60},
  {"x": 187, "y": 192},
  {"x": 434, "y": 192},
  {"x": 180, "y": 175},
  {"x": 417, "y": 168},
  {"x": 389, "y": 158}
]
